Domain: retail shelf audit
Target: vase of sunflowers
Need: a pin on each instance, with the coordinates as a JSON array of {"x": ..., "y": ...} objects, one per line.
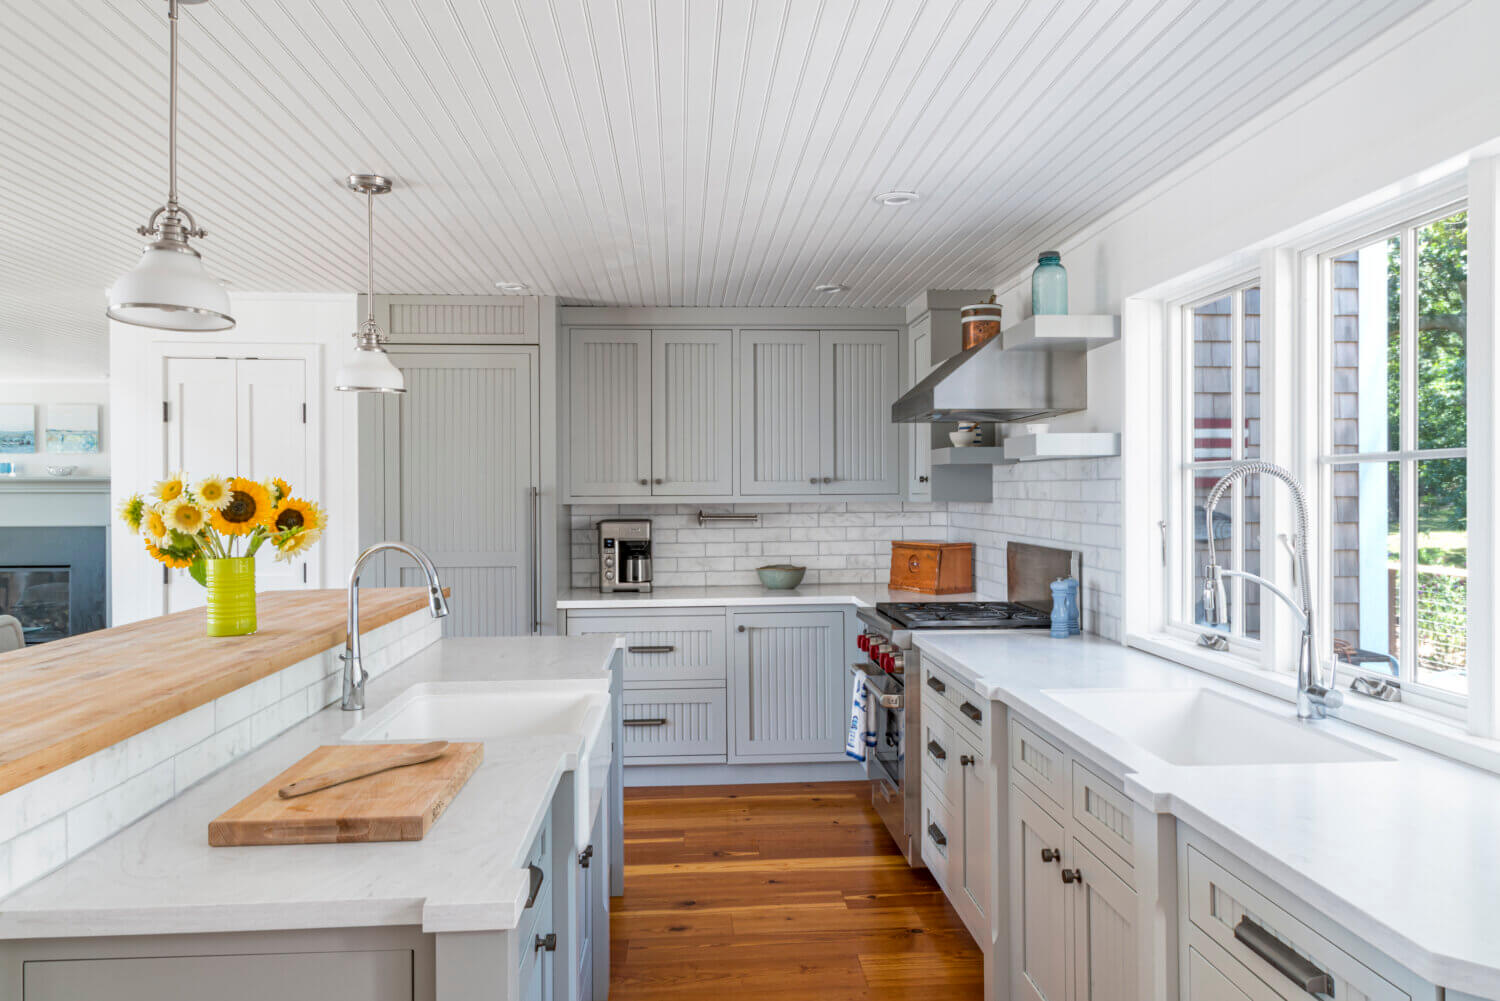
[{"x": 213, "y": 528}]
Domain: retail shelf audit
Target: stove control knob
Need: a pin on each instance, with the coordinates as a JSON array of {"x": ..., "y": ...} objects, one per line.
[
  {"x": 864, "y": 641},
  {"x": 895, "y": 663},
  {"x": 887, "y": 660}
]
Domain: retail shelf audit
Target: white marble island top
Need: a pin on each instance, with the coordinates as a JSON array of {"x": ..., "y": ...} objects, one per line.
[
  {"x": 858, "y": 595},
  {"x": 159, "y": 876},
  {"x": 1404, "y": 853}
]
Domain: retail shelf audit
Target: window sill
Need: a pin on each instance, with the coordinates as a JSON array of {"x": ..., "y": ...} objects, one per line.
[{"x": 1427, "y": 730}]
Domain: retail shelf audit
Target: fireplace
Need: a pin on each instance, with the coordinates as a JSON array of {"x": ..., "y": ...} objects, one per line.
[{"x": 52, "y": 579}]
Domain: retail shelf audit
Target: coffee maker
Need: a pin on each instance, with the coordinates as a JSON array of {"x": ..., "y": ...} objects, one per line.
[{"x": 625, "y": 554}]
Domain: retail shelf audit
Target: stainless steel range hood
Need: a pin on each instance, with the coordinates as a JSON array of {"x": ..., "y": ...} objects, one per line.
[{"x": 990, "y": 383}]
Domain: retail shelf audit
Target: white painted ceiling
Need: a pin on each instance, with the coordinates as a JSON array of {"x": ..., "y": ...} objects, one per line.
[{"x": 667, "y": 152}]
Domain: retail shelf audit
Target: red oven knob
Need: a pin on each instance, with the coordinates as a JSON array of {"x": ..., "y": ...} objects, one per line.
[
  {"x": 863, "y": 642},
  {"x": 887, "y": 661}
]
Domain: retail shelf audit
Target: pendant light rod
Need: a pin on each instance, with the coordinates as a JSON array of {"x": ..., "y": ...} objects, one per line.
[
  {"x": 370, "y": 269},
  {"x": 172, "y": 111},
  {"x": 370, "y": 185}
]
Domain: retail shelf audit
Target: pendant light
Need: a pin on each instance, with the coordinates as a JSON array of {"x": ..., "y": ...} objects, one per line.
[
  {"x": 169, "y": 289},
  {"x": 368, "y": 369}
]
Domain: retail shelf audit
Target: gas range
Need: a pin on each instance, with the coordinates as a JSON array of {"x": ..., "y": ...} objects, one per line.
[{"x": 967, "y": 614}]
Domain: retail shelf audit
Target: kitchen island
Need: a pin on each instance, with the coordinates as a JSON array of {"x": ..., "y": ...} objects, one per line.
[{"x": 154, "y": 908}]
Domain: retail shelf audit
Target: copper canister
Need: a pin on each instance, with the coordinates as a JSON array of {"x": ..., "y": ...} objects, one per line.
[{"x": 979, "y": 322}]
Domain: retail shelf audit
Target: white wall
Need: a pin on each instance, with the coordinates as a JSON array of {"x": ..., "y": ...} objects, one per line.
[{"x": 322, "y": 320}]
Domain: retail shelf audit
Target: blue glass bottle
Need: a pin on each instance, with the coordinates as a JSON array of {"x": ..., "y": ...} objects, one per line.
[{"x": 1049, "y": 285}]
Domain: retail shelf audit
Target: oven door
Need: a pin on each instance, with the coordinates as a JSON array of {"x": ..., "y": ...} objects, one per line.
[{"x": 886, "y": 759}]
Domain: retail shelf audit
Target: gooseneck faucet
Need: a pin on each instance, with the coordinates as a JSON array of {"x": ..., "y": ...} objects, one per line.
[
  {"x": 1313, "y": 700},
  {"x": 354, "y": 671}
]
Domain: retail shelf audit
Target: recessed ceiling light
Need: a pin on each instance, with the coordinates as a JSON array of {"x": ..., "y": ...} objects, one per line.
[
  {"x": 829, "y": 288},
  {"x": 513, "y": 286},
  {"x": 896, "y": 198}
]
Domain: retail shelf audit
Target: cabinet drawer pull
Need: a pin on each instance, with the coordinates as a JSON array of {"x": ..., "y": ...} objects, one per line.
[
  {"x": 651, "y": 649},
  {"x": 936, "y": 834},
  {"x": 537, "y": 878},
  {"x": 971, "y": 711},
  {"x": 1297, "y": 968},
  {"x": 936, "y": 750},
  {"x": 1072, "y": 876},
  {"x": 936, "y": 685},
  {"x": 1051, "y": 855},
  {"x": 965, "y": 760},
  {"x": 648, "y": 721},
  {"x": 547, "y": 942}
]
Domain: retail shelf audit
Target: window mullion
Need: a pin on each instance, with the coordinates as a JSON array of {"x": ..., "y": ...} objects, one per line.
[
  {"x": 1407, "y": 288},
  {"x": 1237, "y": 452}
]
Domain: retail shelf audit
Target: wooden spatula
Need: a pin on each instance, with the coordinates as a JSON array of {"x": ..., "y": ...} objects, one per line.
[{"x": 414, "y": 755}]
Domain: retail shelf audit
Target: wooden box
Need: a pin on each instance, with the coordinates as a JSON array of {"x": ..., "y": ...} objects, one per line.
[{"x": 932, "y": 567}]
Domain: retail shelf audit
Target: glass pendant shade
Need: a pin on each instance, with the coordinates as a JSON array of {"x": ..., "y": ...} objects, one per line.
[
  {"x": 369, "y": 369},
  {"x": 170, "y": 290}
]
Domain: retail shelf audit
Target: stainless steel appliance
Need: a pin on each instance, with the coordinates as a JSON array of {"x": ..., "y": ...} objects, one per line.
[
  {"x": 889, "y": 658},
  {"x": 625, "y": 554}
]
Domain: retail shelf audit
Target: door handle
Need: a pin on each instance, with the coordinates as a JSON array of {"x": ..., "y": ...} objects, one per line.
[
  {"x": 537, "y": 878},
  {"x": 1295, "y": 967},
  {"x": 971, "y": 711},
  {"x": 936, "y": 750},
  {"x": 651, "y": 649}
]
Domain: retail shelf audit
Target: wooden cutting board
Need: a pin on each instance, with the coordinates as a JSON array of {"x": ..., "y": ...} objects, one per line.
[{"x": 397, "y": 805}]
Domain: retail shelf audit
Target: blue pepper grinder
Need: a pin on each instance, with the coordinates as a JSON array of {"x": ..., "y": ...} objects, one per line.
[{"x": 1065, "y": 608}]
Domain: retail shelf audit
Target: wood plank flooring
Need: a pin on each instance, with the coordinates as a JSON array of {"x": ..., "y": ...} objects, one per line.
[{"x": 793, "y": 892}]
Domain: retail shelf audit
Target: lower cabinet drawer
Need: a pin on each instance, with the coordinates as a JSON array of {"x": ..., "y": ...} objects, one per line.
[
  {"x": 1040, "y": 761},
  {"x": 1281, "y": 952},
  {"x": 673, "y": 722},
  {"x": 939, "y": 839},
  {"x": 1206, "y": 982},
  {"x": 1107, "y": 814}
]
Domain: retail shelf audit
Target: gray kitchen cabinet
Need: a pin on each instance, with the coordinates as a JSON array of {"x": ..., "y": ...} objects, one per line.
[
  {"x": 787, "y": 686},
  {"x": 1039, "y": 951},
  {"x": 977, "y": 810},
  {"x": 779, "y": 442},
  {"x": 1104, "y": 943},
  {"x": 609, "y": 413},
  {"x": 917, "y": 438},
  {"x": 384, "y": 975},
  {"x": 858, "y": 376},
  {"x": 692, "y": 412},
  {"x": 683, "y": 646},
  {"x": 673, "y": 725}
]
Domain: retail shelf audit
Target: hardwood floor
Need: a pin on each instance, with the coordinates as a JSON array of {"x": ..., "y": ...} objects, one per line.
[{"x": 793, "y": 892}]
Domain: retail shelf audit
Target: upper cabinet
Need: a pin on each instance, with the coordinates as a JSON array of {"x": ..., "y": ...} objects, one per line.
[
  {"x": 609, "y": 412},
  {"x": 918, "y": 437},
  {"x": 691, "y": 411},
  {"x": 731, "y": 414},
  {"x": 779, "y": 412}
]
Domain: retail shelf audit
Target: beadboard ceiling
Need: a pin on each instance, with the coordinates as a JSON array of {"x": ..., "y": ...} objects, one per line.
[{"x": 660, "y": 152}]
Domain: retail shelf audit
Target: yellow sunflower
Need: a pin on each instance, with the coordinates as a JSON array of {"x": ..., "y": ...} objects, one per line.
[
  {"x": 182, "y": 515},
  {"x": 170, "y": 488},
  {"x": 132, "y": 510},
  {"x": 161, "y": 555},
  {"x": 249, "y": 508},
  {"x": 294, "y": 512},
  {"x": 280, "y": 489},
  {"x": 212, "y": 492},
  {"x": 153, "y": 525},
  {"x": 290, "y": 546}
]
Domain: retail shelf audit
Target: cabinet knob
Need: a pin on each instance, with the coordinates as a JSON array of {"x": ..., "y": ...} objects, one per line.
[
  {"x": 659, "y": 481},
  {"x": 921, "y": 479},
  {"x": 739, "y": 629},
  {"x": 1051, "y": 855},
  {"x": 813, "y": 480},
  {"x": 828, "y": 479},
  {"x": 965, "y": 760},
  {"x": 644, "y": 483},
  {"x": 1072, "y": 876},
  {"x": 586, "y": 856},
  {"x": 547, "y": 942}
]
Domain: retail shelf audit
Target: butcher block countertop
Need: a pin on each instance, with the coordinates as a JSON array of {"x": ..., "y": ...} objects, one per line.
[{"x": 65, "y": 700}]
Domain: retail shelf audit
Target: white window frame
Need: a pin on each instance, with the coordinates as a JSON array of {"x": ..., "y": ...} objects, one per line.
[
  {"x": 1319, "y": 266},
  {"x": 1178, "y": 433}
]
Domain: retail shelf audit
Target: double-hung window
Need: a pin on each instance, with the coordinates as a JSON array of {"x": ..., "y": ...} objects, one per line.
[
  {"x": 1393, "y": 469},
  {"x": 1219, "y": 423}
]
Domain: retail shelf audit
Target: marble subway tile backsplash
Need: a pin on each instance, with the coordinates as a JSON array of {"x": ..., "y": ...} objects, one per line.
[
  {"x": 839, "y": 543},
  {"x": 1070, "y": 504},
  {"x": 64, "y": 813}
]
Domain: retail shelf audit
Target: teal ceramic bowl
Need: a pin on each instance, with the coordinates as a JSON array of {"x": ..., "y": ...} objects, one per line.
[{"x": 781, "y": 577}]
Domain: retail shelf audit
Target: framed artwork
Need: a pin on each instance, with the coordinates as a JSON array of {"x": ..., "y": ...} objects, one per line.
[
  {"x": 73, "y": 427},
  {"x": 17, "y": 428}
]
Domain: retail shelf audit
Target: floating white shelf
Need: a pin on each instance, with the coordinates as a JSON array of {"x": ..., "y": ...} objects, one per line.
[
  {"x": 54, "y": 484},
  {"x": 1062, "y": 333},
  {"x": 973, "y": 455},
  {"x": 1061, "y": 445}
]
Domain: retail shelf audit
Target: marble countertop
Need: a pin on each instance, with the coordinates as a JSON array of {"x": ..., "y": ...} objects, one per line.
[
  {"x": 1430, "y": 825},
  {"x": 859, "y": 595},
  {"x": 159, "y": 876}
]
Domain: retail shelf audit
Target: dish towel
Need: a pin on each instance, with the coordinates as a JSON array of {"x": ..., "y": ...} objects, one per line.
[{"x": 861, "y": 734}]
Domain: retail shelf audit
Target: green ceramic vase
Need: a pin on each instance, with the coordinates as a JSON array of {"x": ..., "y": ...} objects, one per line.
[{"x": 231, "y": 596}]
